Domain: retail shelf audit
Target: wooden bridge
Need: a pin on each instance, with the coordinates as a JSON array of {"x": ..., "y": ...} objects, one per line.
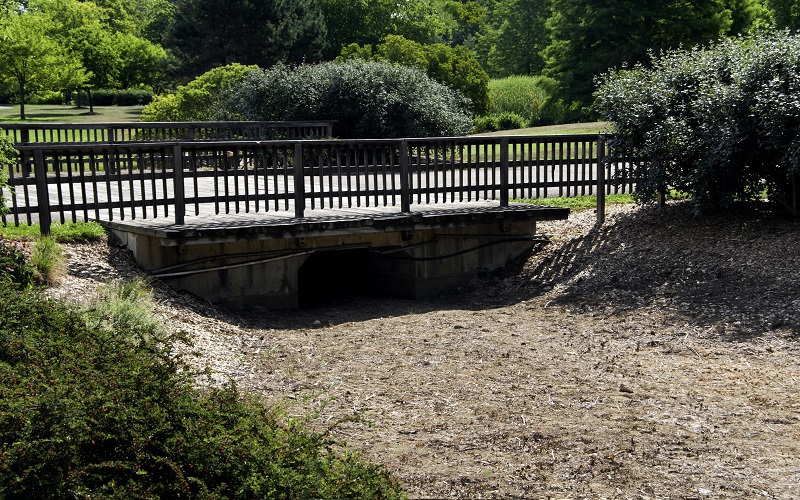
[{"x": 253, "y": 221}]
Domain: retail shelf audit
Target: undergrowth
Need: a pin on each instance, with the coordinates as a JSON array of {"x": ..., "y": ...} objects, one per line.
[
  {"x": 92, "y": 404},
  {"x": 68, "y": 232}
]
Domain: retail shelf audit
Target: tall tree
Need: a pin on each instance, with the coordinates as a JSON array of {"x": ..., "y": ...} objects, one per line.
[
  {"x": 515, "y": 36},
  {"x": 786, "y": 13},
  {"x": 28, "y": 54},
  {"x": 210, "y": 33},
  {"x": 591, "y": 36}
]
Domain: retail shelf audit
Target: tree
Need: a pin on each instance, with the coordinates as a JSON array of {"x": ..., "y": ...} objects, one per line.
[
  {"x": 786, "y": 13},
  {"x": 28, "y": 55},
  {"x": 210, "y": 33},
  {"x": 456, "y": 67},
  {"x": 591, "y": 36},
  {"x": 141, "y": 61},
  {"x": 512, "y": 41}
]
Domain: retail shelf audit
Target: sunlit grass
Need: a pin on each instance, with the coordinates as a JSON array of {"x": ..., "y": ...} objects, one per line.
[
  {"x": 579, "y": 202},
  {"x": 62, "y": 233},
  {"x": 60, "y": 113}
]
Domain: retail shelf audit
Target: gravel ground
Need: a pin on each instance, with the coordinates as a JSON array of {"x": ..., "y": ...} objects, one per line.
[{"x": 656, "y": 356}]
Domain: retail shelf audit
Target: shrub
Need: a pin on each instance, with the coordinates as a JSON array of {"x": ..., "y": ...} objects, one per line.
[
  {"x": 15, "y": 272},
  {"x": 721, "y": 123},
  {"x": 486, "y": 124},
  {"x": 6, "y": 160},
  {"x": 367, "y": 99},
  {"x": 197, "y": 100},
  {"x": 95, "y": 406},
  {"x": 510, "y": 121},
  {"x": 45, "y": 97}
]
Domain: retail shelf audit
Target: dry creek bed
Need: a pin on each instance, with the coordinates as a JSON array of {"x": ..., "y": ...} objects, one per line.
[{"x": 656, "y": 356}]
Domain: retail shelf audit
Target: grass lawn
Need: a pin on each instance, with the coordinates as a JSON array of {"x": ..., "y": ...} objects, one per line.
[
  {"x": 59, "y": 113},
  {"x": 570, "y": 128}
]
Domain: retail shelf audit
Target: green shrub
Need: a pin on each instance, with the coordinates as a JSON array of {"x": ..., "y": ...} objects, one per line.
[
  {"x": 485, "y": 124},
  {"x": 199, "y": 99},
  {"x": 522, "y": 95},
  {"x": 45, "y": 97},
  {"x": 367, "y": 99},
  {"x": 15, "y": 272},
  {"x": 6, "y": 160},
  {"x": 94, "y": 405},
  {"x": 116, "y": 97},
  {"x": 721, "y": 123},
  {"x": 510, "y": 121}
]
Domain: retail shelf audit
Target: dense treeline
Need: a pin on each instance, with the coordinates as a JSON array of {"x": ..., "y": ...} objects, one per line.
[{"x": 65, "y": 45}]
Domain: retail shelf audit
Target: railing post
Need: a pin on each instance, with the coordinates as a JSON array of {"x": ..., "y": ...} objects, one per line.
[
  {"x": 42, "y": 193},
  {"x": 405, "y": 178},
  {"x": 601, "y": 179},
  {"x": 177, "y": 178},
  {"x": 504, "y": 172},
  {"x": 299, "y": 182}
]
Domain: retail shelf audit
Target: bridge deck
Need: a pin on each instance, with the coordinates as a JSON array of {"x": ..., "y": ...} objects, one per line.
[{"x": 336, "y": 220}]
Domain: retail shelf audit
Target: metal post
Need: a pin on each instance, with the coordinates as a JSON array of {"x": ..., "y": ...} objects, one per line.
[
  {"x": 177, "y": 177},
  {"x": 42, "y": 193},
  {"x": 601, "y": 179},
  {"x": 504, "y": 172},
  {"x": 405, "y": 179},
  {"x": 299, "y": 182}
]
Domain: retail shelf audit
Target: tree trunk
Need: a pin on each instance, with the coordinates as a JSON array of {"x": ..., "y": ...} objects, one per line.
[
  {"x": 91, "y": 106},
  {"x": 22, "y": 100}
]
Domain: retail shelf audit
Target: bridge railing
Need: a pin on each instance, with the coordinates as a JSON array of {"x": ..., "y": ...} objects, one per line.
[
  {"x": 25, "y": 133},
  {"x": 103, "y": 181}
]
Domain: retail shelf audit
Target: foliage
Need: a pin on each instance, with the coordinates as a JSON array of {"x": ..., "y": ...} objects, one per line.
[
  {"x": 209, "y": 33},
  {"x": 117, "y": 97},
  {"x": 367, "y": 99},
  {"x": 47, "y": 258},
  {"x": 514, "y": 36},
  {"x": 590, "y": 37},
  {"x": 28, "y": 55},
  {"x": 720, "y": 123},
  {"x": 510, "y": 121},
  {"x": 15, "y": 272},
  {"x": 6, "y": 160},
  {"x": 94, "y": 405},
  {"x": 786, "y": 13},
  {"x": 455, "y": 67},
  {"x": 522, "y": 95},
  {"x": 486, "y": 123},
  {"x": 196, "y": 100}
]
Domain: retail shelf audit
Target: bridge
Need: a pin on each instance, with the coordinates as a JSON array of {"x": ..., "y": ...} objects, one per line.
[{"x": 243, "y": 222}]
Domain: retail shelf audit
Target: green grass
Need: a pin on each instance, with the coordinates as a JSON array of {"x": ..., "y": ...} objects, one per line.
[
  {"x": 47, "y": 257},
  {"x": 62, "y": 233},
  {"x": 567, "y": 129},
  {"x": 59, "y": 113},
  {"x": 579, "y": 202}
]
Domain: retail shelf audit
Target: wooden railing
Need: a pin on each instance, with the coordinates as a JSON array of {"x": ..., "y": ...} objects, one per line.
[
  {"x": 25, "y": 133},
  {"x": 78, "y": 182}
]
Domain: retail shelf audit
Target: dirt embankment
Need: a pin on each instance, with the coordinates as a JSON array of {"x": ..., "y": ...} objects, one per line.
[{"x": 657, "y": 356}]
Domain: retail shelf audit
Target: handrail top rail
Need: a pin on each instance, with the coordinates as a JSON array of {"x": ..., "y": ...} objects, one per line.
[
  {"x": 134, "y": 125},
  {"x": 220, "y": 144}
]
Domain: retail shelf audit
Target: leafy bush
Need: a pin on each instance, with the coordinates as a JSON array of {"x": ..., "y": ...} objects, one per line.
[
  {"x": 95, "y": 406},
  {"x": 721, "y": 123},
  {"x": 15, "y": 272},
  {"x": 197, "y": 100},
  {"x": 456, "y": 67},
  {"x": 367, "y": 99},
  {"x": 485, "y": 124},
  {"x": 510, "y": 121},
  {"x": 6, "y": 160},
  {"x": 45, "y": 97}
]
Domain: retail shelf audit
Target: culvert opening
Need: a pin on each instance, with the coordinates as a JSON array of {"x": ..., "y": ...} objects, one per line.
[{"x": 329, "y": 277}]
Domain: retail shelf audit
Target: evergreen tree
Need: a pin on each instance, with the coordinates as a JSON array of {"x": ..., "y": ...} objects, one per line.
[
  {"x": 591, "y": 36},
  {"x": 210, "y": 33}
]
